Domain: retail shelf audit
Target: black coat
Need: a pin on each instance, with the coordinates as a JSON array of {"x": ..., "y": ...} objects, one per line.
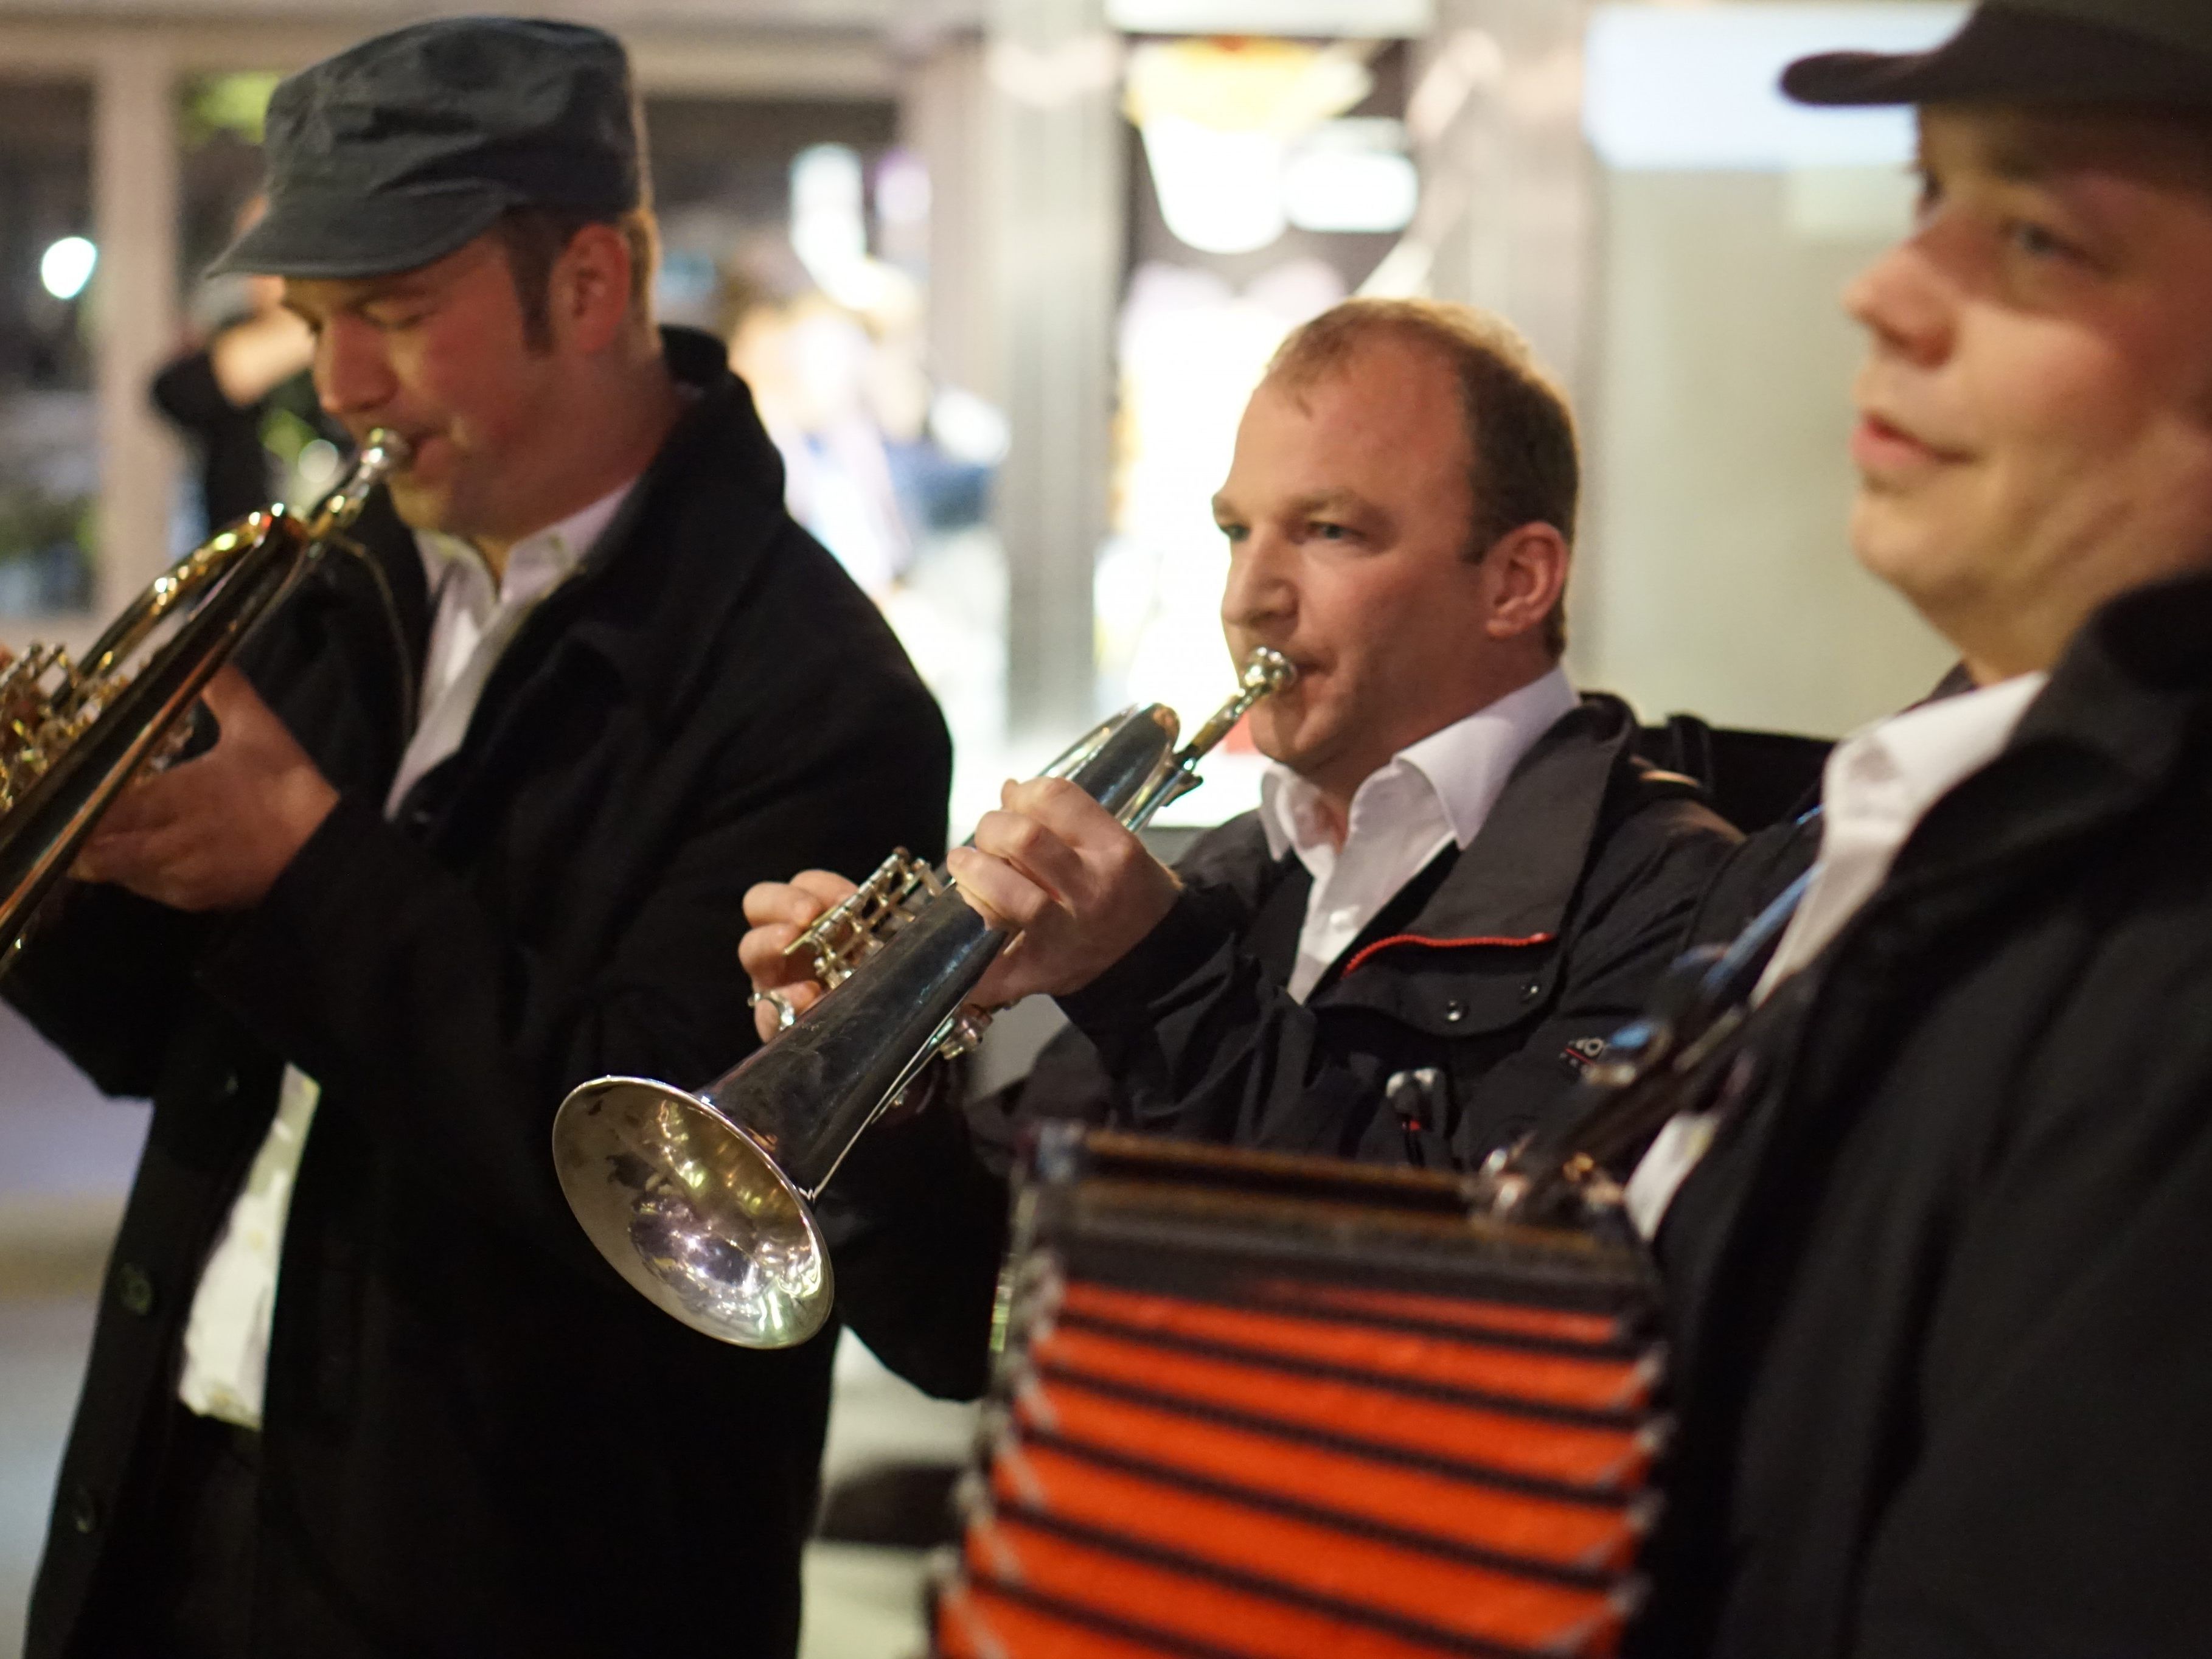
[
  {"x": 1943, "y": 1290},
  {"x": 1500, "y": 970},
  {"x": 477, "y": 1439}
]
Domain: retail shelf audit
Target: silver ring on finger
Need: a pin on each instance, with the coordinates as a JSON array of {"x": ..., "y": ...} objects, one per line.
[{"x": 786, "y": 1015}]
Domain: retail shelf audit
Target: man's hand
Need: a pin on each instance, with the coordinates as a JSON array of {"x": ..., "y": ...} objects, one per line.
[
  {"x": 779, "y": 912},
  {"x": 1055, "y": 865},
  {"x": 214, "y": 832}
]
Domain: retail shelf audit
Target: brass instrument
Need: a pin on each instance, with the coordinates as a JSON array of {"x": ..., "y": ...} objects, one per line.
[
  {"x": 703, "y": 1201},
  {"x": 72, "y": 735}
]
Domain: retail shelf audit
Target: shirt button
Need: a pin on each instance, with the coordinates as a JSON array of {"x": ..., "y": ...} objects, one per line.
[
  {"x": 83, "y": 1510},
  {"x": 134, "y": 1289},
  {"x": 1454, "y": 1012}
]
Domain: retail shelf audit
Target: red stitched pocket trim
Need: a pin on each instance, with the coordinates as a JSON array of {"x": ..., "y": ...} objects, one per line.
[{"x": 1360, "y": 961}]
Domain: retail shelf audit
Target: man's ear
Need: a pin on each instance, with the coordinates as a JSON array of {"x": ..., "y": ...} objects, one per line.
[
  {"x": 588, "y": 293},
  {"x": 1527, "y": 571}
]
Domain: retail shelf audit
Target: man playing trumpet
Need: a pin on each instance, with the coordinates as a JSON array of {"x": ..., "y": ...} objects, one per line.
[
  {"x": 359, "y": 1385},
  {"x": 1461, "y": 877}
]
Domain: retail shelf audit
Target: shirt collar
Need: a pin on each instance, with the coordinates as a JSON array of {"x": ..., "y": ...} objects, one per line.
[
  {"x": 1894, "y": 771},
  {"x": 1465, "y": 764},
  {"x": 535, "y": 565}
]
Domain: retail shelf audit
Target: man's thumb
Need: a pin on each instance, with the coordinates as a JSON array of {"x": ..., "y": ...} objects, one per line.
[{"x": 229, "y": 695}]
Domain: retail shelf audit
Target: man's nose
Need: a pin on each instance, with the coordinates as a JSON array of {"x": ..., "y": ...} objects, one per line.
[
  {"x": 353, "y": 376},
  {"x": 1261, "y": 594},
  {"x": 1906, "y": 301}
]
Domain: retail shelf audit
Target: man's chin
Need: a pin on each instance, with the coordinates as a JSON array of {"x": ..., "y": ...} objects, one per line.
[
  {"x": 1895, "y": 543},
  {"x": 1272, "y": 735},
  {"x": 1933, "y": 568},
  {"x": 422, "y": 508},
  {"x": 1295, "y": 743}
]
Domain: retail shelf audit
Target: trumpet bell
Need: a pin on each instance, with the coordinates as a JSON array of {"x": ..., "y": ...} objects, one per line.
[
  {"x": 693, "y": 1213},
  {"x": 704, "y": 1201}
]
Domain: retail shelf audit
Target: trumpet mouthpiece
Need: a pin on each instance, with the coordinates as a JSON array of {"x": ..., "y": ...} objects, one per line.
[
  {"x": 387, "y": 448},
  {"x": 1268, "y": 671}
]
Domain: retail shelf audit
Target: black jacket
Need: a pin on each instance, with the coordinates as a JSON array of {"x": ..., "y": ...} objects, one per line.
[
  {"x": 1462, "y": 1013},
  {"x": 477, "y": 1439},
  {"x": 1943, "y": 1290}
]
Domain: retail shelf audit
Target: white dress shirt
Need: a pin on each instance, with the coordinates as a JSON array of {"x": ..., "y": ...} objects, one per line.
[
  {"x": 1878, "y": 785},
  {"x": 226, "y": 1359},
  {"x": 1431, "y": 794}
]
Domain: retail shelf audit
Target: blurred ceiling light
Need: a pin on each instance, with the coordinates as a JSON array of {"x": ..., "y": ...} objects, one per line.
[
  {"x": 1694, "y": 87},
  {"x": 1276, "y": 87},
  {"x": 1221, "y": 193},
  {"x": 1385, "y": 20},
  {"x": 828, "y": 219},
  {"x": 317, "y": 466},
  {"x": 830, "y": 226},
  {"x": 1218, "y": 119},
  {"x": 968, "y": 429},
  {"x": 1353, "y": 176},
  {"x": 66, "y": 266}
]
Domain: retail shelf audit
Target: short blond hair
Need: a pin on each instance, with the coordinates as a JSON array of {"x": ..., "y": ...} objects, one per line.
[{"x": 1523, "y": 462}]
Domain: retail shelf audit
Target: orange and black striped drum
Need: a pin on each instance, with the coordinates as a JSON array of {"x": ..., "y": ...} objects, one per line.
[{"x": 1252, "y": 1407}]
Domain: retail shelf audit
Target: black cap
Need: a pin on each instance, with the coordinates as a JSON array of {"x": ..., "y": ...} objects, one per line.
[
  {"x": 400, "y": 150},
  {"x": 2141, "y": 53}
]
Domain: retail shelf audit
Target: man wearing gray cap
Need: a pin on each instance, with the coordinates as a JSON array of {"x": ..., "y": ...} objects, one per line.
[
  {"x": 1941, "y": 1252},
  {"x": 476, "y": 828}
]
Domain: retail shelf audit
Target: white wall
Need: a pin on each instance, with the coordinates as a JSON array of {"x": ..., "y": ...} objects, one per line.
[{"x": 1717, "y": 574}]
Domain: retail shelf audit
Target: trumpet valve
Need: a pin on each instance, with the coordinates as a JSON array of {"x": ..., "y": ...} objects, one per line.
[
  {"x": 858, "y": 926},
  {"x": 34, "y": 724}
]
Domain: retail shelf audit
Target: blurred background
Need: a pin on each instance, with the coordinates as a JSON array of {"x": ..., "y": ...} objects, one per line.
[{"x": 1001, "y": 273}]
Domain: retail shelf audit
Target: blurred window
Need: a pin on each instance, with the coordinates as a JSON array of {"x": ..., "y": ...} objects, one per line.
[
  {"x": 49, "y": 448},
  {"x": 282, "y": 447}
]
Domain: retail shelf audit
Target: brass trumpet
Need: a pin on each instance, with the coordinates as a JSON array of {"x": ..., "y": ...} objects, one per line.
[
  {"x": 73, "y": 734},
  {"x": 704, "y": 1201}
]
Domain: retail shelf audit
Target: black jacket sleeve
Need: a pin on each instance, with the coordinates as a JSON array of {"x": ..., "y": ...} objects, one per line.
[
  {"x": 104, "y": 976},
  {"x": 187, "y": 392},
  {"x": 380, "y": 972},
  {"x": 917, "y": 1220},
  {"x": 919, "y": 1215}
]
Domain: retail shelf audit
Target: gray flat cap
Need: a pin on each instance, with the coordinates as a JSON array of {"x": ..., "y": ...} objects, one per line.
[{"x": 400, "y": 150}]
